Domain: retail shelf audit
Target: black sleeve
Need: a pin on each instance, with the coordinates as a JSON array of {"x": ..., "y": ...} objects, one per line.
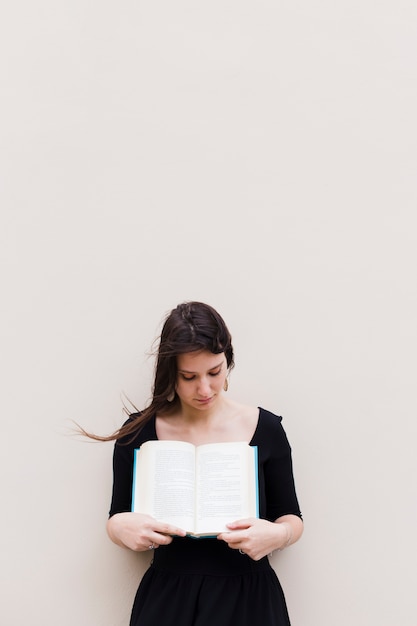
[
  {"x": 121, "y": 501},
  {"x": 276, "y": 459},
  {"x": 123, "y": 456}
]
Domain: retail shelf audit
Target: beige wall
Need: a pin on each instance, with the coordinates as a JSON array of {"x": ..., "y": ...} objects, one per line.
[{"x": 259, "y": 156}]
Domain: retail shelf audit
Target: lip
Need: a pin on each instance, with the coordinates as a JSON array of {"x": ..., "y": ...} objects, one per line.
[{"x": 204, "y": 400}]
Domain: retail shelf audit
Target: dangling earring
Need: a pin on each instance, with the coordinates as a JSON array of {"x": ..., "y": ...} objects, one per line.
[
  {"x": 171, "y": 396},
  {"x": 226, "y": 384}
]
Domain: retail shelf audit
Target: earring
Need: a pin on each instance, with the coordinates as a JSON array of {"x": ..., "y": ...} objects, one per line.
[
  {"x": 226, "y": 384},
  {"x": 171, "y": 396}
]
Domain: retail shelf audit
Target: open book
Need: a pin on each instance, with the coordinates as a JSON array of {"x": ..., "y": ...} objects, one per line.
[{"x": 197, "y": 488}]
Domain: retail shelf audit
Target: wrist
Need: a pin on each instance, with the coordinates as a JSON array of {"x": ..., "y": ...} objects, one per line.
[{"x": 287, "y": 536}]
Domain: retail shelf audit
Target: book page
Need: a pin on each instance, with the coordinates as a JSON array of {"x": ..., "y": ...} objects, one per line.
[
  {"x": 164, "y": 482},
  {"x": 226, "y": 489}
]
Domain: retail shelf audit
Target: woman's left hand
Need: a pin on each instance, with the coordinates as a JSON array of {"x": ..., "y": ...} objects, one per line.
[{"x": 255, "y": 537}]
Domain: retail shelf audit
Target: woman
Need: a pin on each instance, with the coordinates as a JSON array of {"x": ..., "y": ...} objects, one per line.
[{"x": 227, "y": 580}]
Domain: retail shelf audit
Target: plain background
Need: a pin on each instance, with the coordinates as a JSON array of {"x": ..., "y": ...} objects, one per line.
[{"x": 261, "y": 157}]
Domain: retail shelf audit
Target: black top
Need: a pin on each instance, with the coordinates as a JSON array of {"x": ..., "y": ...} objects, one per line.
[{"x": 277, "y": 495}]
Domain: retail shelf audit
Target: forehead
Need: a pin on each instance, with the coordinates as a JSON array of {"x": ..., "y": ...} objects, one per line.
[{"x": 201, "y": 361}]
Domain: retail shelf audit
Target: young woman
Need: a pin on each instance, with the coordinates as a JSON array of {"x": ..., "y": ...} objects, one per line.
[{"x": 227, "y": 580}]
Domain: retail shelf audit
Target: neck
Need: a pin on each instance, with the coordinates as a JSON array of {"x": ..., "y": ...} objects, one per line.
[{"x": 203, "y": 417}]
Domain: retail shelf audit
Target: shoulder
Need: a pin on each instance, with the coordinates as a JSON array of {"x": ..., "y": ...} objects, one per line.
[
  {"x": 270, "y": 430},
  {"x": 269, "y": 419},
  {"x": 135, "y": 437},
  {"x": 242, "y": 419}
]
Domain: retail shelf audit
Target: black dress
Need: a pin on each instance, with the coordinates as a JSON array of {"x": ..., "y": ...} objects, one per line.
[{"x": 201, "y": 582}]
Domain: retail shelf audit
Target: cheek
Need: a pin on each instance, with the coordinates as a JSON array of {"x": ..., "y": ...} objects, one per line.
[
  {"x": 219, "y": 381},
  {"x": 183, "y": 388}
]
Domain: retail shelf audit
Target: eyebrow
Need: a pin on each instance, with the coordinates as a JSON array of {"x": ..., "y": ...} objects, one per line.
[{"x": 210, "y": 370}]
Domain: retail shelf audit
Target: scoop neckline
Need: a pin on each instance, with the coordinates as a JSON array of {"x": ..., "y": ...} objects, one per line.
[{"x": 250, "y": 443}]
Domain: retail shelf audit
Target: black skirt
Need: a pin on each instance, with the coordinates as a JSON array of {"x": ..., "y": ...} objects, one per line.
[{"x": 201, "y": 582}]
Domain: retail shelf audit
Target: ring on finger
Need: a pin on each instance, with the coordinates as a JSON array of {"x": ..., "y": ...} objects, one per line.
[
  {"x": 152, "y": 546},
  {"x": 241, "y": 551}
]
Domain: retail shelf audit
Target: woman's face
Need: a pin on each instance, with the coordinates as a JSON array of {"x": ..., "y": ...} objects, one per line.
[{"x": 200, "y": 378}]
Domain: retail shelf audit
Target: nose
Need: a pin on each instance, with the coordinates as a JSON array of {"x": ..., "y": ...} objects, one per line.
[{"x": 204, "y": 387}]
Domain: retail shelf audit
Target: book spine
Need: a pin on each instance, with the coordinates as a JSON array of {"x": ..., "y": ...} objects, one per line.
[
  {"x": 135, "y": 455},
  {"x": 255, "y": 449}
]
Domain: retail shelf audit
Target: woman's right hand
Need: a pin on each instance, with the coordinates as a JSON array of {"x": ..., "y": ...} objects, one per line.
[{"x": 140, "y": 532}]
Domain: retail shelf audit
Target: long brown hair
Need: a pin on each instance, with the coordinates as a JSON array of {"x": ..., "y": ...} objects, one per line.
[{"x": 190, "y": 327}]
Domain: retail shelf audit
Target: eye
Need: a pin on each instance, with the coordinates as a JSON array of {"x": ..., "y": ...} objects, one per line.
[
  {"x": 215, "y": 373},
  {"x": 187, "y": 377}
]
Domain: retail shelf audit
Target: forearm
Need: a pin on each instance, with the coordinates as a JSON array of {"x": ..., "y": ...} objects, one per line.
[
  {"x": 112, "y": 528},
  {"x": 291, "y": 528}
]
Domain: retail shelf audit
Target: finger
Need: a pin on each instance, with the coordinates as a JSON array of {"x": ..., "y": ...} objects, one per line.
[
  {"x": 235, "y": 544},
  {"x": 168, "y": 529},
  {"x": 233, "y": 539},
  {"x": 161, "y": 539},
  {"x": 241, "y": 524}
]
